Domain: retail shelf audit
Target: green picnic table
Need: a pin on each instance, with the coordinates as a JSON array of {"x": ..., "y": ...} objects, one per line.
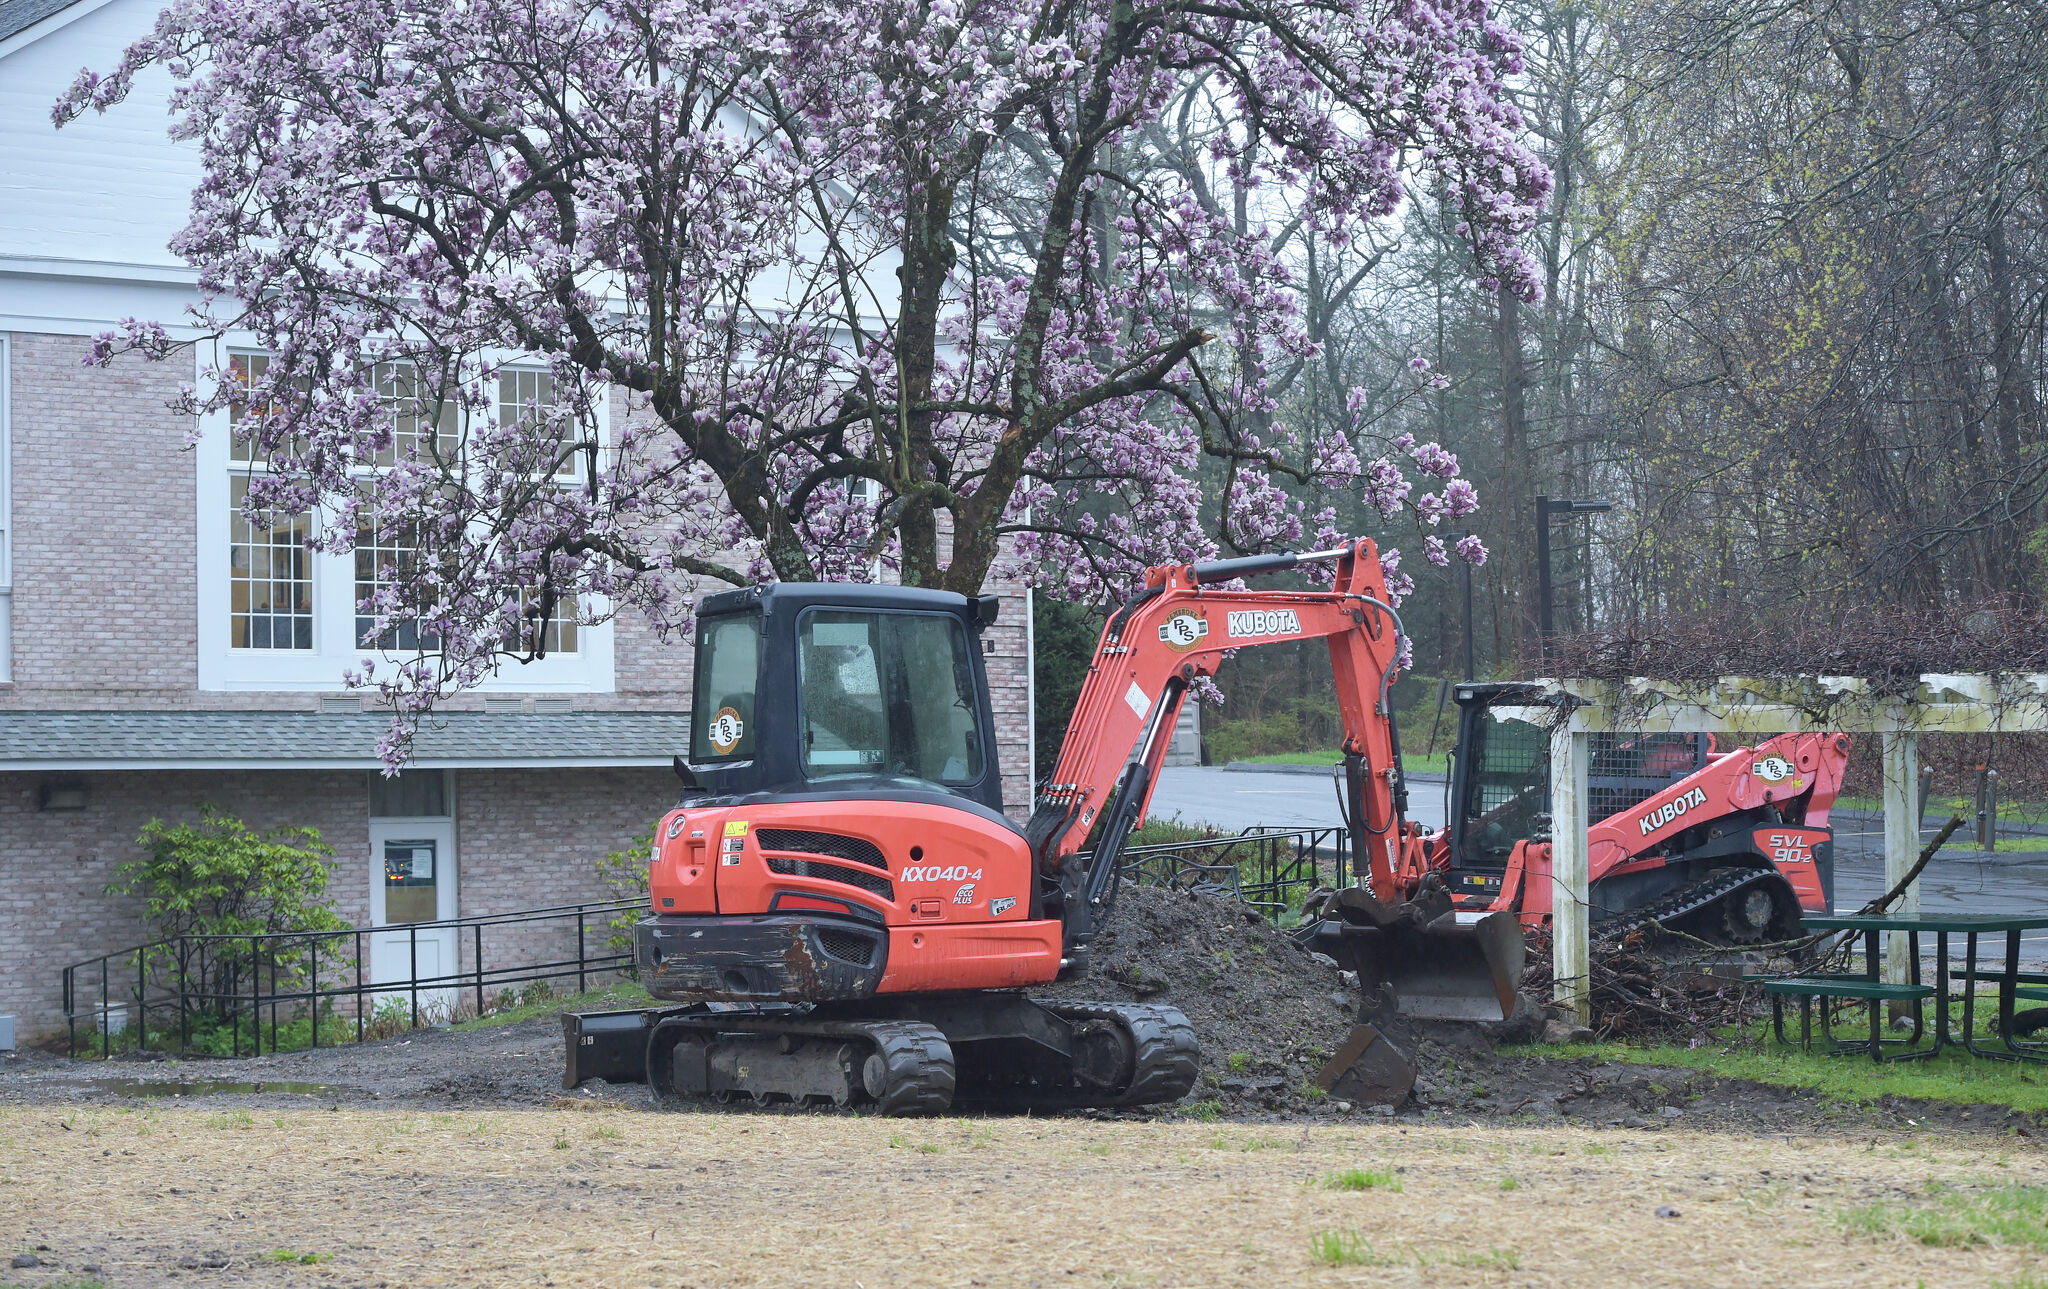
[{"x": 2013, "y": 984}]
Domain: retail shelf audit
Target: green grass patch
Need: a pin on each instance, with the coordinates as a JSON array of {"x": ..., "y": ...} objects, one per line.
[
  {"x": 1955, "y": 1217},
  {"x": 302, "y": 1259},
  {"x": 535, "y": 1003},
  {"x": 1351, "y": 1249},
  {"x": 1346, "y": 1249},
  {"x": 1363, "y": 1179},
  {"x": 1955, "y": 1076}
]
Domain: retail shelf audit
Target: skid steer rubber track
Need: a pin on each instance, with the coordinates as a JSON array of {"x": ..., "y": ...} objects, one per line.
[
  {"x": 1688, "y": 900},
  {"x": 899, "y": 1067},
  {"x": 1163, "y": 1063}
]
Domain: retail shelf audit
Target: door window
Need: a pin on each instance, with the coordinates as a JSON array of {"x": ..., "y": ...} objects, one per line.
[
  {"x": 411, "y": 881},
  {"x": 1506, "y": 789},
  {"x": 728, "y": 666}
]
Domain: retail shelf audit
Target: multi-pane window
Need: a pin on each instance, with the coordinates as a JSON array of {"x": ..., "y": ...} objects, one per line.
[
  {"x": 416, "y": 412},
  {"x": 527, "y": 397},
  {"x": 386, "y": 555},
  {"x": 270, "y": 582},
  {"x": 270, "y": 571},
  {"x": 557, "y": 633}
]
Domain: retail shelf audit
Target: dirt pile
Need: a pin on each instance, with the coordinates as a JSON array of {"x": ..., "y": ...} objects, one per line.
[{"x": 1267, "y": 1013}]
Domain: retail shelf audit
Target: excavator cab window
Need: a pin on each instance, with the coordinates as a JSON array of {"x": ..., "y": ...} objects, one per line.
[
  {"x": 728, "y": 670},
  {"x": 887, "y": 693},
  {"x": 1506, "y": 788}
]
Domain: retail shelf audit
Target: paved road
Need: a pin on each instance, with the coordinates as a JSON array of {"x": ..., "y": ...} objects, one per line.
[
  {"x": 1958, "y": 881},
  {"x": 1237, "y": 800}
]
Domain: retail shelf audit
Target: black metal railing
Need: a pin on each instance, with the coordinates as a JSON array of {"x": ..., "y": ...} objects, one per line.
[
  {"x": 240, "y": 982},
  {"x": 1269, "y": 869}
]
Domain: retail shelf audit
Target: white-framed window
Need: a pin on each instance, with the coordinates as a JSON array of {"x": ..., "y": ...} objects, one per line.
[{"x": 273, "y": 615}]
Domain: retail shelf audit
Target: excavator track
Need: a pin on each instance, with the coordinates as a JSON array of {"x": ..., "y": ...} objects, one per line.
[
  {"x": 1160, "y": 1062},
  {"x": 899, "y": 1067},
  {"x": 1685, "y": 901}
]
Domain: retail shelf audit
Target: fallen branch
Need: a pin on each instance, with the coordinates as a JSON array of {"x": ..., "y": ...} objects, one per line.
[{"x": 1882, "y": 903}]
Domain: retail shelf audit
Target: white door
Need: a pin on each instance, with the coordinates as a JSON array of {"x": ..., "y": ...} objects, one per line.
[{"x": 412, "y": 886}]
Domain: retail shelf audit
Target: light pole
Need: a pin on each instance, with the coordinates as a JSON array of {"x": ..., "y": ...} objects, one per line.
[{"x": 1546, "y": 508}]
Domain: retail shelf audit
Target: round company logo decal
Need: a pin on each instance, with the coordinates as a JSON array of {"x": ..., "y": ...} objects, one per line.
[
  {"x": 726, "y": 728},
  {"x": 1183, "y": 631},
  {"x": 1773, "y": 769}
]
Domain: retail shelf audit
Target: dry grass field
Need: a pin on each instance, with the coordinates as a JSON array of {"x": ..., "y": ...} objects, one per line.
[{"x": 602, "y": 1194}]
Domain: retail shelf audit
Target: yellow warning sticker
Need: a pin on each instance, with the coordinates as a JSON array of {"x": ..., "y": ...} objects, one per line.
[{"x": 736, "y": 828}]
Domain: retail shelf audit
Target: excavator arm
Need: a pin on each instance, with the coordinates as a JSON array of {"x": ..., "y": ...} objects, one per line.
[{"x": 1177, "y": 630}]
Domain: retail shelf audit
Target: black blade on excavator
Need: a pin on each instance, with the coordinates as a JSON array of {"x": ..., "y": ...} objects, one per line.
[{"x": 1439, "y": 970}]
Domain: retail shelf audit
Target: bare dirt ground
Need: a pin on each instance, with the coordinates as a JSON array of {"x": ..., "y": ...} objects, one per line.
[
  {"x": 1266, "y": 1013},
  {"x": 455, "y": 1158},
  {"x": 594, "y": 1193}
]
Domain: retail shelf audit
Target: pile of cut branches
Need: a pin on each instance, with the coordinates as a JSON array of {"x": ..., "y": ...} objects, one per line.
[{"x": 1636, "y": 992}]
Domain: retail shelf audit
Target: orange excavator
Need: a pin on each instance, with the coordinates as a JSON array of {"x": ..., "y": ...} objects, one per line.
[{"x": 842, "y": 913}]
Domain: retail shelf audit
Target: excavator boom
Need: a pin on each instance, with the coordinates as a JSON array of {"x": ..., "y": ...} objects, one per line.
[{"x": 1394, "y": 926}]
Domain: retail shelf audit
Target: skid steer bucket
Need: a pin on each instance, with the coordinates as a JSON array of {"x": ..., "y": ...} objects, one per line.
[{"x": 1443, "y": 969}]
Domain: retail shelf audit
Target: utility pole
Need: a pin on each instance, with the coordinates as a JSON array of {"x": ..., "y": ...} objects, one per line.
[
  {"x": 1465, "y": 571},
  {"x": 1546, "y": 508}
]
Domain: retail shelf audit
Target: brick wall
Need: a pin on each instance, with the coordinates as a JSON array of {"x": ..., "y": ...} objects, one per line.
[
  {"x": 532, "y": 839},
  {"x": 104, "y": 548},
  {"x": 55, "y": 865},
  {"x": 524, "y": 839}
]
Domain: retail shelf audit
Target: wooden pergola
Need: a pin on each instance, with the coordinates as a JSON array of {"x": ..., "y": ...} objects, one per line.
[{"x": 1575, "y": 709}]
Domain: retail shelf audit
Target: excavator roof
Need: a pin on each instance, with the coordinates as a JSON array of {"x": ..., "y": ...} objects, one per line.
[{"x": 775, "y": 597}]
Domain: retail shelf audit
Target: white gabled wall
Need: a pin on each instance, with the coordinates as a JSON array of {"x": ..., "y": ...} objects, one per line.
[{"x": 110, "y": 188}]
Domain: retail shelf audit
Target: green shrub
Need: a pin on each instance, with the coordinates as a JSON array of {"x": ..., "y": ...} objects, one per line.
[
  {"x": 624, "y": 874},
  {"x": 220, "y": 877}
]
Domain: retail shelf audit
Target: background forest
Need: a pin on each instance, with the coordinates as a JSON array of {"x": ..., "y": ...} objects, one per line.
[{"x": 1796, "y": 289}]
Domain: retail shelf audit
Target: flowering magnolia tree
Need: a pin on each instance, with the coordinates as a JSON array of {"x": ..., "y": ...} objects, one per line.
[{"x": 811, "y": 288}]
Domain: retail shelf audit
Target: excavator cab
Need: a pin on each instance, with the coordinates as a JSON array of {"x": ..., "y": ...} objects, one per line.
[{"x": 830, "y": 689}]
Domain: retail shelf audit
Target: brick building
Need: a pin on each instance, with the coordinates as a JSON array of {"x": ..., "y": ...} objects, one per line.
[{"x": 156, "y": 652}]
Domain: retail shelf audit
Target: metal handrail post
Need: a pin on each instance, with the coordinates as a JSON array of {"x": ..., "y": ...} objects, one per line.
[
  {"x": 359, "y": 985},
  {"x": 581, "y": 987},
  {"x": 255, "y": 996},
  {"x": 413, "y": 948},
  {"x": 141, "y": 1000},
  {"x": 313, "y": 986},
  {"x": 477, "y": 956},
  {"x": 106, "y": 1034}
]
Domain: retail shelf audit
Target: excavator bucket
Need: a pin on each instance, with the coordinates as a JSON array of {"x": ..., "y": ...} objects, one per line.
[
  {"x": 1442, "y": 969},
  {"x": 1368, "y": 1070}
]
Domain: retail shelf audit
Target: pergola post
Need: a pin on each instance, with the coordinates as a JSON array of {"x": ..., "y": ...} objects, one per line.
[
  {"x": 1570, "y": 896},
  {"x": 1901, "y": 839}
]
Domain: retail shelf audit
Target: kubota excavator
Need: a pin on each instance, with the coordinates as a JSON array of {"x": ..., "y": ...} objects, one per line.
[{"x": 842, "y": 913}]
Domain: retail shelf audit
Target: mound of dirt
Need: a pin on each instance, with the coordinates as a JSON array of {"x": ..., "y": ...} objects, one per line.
[{"x": 1267, "y": 1013}]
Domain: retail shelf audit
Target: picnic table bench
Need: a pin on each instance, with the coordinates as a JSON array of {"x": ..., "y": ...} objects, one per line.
[{"x": 2013, "y": 984}]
